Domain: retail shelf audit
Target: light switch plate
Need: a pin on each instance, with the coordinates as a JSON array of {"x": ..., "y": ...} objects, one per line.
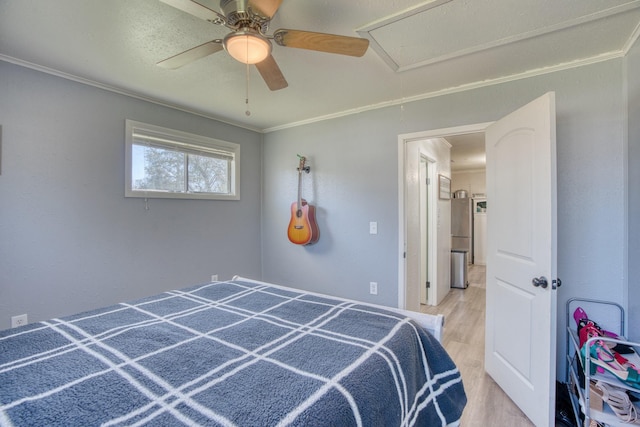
[{"x": 373, "y": 227}]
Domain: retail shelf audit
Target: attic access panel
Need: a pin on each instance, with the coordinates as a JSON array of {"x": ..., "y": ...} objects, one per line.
[{"x": 439, "y": 30}]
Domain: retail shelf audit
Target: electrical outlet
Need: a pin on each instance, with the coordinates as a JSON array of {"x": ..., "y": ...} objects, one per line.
[
  {"x": 373, "y": 288},
  {"x": 19, "y": 320},
  {"x": 214, "y": 277}
]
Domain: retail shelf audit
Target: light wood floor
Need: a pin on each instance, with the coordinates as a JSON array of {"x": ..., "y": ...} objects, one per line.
[{"x": 463, "y": 338}]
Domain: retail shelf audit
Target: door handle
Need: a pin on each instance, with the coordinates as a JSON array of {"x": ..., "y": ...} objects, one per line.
[{"x": 540, "y": 282}]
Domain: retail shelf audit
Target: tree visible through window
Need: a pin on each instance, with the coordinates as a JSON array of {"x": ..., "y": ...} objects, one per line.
[
  {"x": 166, "y": 163},
  {"x": 207, "y": 174}
]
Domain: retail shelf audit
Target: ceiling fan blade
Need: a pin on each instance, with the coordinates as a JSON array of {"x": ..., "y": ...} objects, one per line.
[
  {"x": 322, "y": 42},
  {"x": 266, "y": 8},
  {"x": 188, "y": 56},
  {"x": 271, "y": 74},
  {"x": 197, "y": 10}
]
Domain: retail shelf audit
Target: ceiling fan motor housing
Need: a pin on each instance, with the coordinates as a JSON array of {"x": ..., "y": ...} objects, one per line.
[{"x": 240, "y": 15}]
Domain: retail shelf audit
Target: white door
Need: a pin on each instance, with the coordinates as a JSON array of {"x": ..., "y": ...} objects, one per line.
[
  {"x": 412, "y": 209},
  {"x": 424, "y": 232},
  {"x": 520, "y": 346},
  {"x": 412, "y": 151}
]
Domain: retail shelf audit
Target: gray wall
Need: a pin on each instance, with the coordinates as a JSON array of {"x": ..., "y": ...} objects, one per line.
[
  {"x": 633, "y": 166},
  {"x": 69, "y": 240},
  {"x": 355, "y": 181}
]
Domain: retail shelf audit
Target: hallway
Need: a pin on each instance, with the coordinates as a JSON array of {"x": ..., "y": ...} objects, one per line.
[{"x": 463, "y": 337}]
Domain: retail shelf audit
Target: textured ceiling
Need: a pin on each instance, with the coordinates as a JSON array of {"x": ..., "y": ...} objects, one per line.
[
  {"x": 417, "y": 49},
  {"x": 467, "y": 152}
]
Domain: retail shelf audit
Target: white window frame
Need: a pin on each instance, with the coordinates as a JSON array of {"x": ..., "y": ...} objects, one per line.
[{"x": 181, "y": 142}]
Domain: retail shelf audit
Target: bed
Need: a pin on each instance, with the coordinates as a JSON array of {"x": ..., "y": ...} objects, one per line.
[{"x": 238, "y": 352}]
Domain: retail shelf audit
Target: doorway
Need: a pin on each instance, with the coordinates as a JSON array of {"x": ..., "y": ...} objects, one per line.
[{"x": 412, "y": 148}]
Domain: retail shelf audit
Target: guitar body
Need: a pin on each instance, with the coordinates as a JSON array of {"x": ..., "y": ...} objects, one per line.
[{"x": 303, "y": 229}]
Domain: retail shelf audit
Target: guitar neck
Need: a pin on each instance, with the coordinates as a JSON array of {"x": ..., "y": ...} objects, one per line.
[
  {"x": 299, "y": 190},
  {"x": 300, "y": 169}
]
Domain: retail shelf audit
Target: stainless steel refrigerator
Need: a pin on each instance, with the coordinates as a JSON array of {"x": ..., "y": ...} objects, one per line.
[
  {"x": 462, "y": 225},
  {"x": 461, "y": 240}
]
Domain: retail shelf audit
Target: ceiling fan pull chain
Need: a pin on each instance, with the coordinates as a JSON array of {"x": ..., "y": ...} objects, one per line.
[{"x": 247, "y": 112}]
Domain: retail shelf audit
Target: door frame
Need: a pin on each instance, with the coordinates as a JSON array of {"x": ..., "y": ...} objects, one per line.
[{"x": 403, "y": 140}]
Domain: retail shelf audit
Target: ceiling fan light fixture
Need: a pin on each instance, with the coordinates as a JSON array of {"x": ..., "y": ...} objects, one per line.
[{"x": 247, "y": 47}]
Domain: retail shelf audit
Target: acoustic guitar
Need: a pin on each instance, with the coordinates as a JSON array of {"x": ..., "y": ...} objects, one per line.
[{"x": 303, "y": 229}]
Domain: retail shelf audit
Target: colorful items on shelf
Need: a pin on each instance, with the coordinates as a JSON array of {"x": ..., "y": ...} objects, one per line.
[{"x": 605, "y": 355}]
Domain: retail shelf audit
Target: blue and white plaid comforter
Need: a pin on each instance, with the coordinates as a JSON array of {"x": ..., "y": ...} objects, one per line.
[{"x": 228, "y": 353}]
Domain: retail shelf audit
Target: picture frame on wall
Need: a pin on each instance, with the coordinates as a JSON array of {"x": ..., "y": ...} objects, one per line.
[{"x": 444, "y": 186}]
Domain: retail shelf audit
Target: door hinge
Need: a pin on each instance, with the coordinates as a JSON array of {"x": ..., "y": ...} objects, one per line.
[
  {"x": 556, "y": 283},
  {"x": 404, "y": 255},
  {"x": 428, "y": 285},
  {"x": 428, "y": 181}
]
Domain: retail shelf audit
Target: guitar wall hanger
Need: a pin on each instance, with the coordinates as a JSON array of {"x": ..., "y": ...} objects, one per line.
[{"x": 302, "y": 166}]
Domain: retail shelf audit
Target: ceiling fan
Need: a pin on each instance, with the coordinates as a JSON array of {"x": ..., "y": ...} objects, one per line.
[{"x": 248, "y": 41}]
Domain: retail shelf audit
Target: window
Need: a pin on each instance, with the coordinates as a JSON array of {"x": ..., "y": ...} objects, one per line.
[{"x": 166, "y": 163}]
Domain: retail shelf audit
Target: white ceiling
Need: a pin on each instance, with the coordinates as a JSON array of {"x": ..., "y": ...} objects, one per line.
[
  {"x": 467, "y": 152},
  {"x": 418, "y": 49}
]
